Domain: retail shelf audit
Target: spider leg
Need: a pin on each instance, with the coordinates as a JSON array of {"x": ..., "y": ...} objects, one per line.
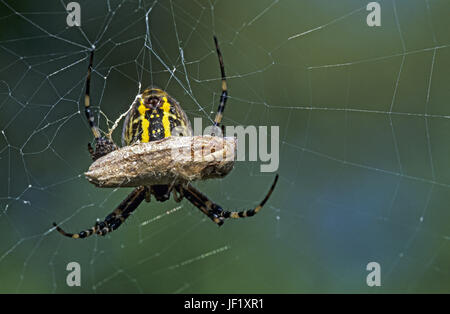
[
  {"x": 224, "y": 94},
  {"x": 253, "y": 211},
  {"x": 177, "y": 195},
  {"x": 170, "y": 189},
  {"x": 113, "y": 220},
  {"x": 215, "y": 211},
  {"x": 87, "y": 100},
  {"x": 201, "y": 202},
  {"x": 103, "y": 145}
]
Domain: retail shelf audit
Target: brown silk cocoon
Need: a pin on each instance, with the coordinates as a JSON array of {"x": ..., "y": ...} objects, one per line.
[{"x": 173, "y": 159}]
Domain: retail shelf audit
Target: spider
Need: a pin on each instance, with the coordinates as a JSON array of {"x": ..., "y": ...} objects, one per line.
[{"x": 153, "y": 116}]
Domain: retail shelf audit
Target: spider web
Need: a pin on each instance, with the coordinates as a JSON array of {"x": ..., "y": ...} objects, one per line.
[{"x": 364, "y": 145}]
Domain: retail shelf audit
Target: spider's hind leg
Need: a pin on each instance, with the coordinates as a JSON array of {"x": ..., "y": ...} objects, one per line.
[
  {"x": 201, "y": 202},
  {"x": 214, "y": 211}
]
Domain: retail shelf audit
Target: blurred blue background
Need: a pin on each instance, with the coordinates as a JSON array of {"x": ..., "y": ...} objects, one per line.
[{"x": 364, "y": 145}]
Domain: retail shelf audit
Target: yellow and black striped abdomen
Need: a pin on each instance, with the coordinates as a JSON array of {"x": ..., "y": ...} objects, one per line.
[{"x": 154, "y": 115}]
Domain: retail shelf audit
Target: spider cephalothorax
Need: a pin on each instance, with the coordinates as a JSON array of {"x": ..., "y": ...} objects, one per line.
[{"x": 153, "y": 116}]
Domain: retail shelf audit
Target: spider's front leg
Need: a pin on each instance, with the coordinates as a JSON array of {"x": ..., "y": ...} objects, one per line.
[{"x": 103, "y": 145}]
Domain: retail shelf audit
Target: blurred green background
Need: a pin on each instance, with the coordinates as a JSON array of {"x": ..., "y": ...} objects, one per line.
[{"x": 364, "y": 145}]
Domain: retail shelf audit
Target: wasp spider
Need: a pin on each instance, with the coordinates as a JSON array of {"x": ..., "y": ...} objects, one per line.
[{"x": 153, "y": 116}]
